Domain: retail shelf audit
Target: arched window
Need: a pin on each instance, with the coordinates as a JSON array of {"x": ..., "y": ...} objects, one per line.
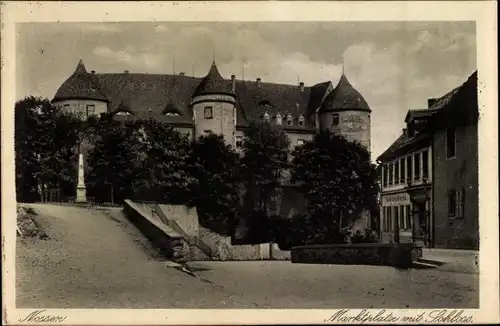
[
  {"x": 289, "y": 119},
  {"x": 172, "y": 114}
]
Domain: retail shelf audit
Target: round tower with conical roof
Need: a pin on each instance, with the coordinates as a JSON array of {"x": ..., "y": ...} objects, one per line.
[
  {"x": 214, "y": 106},
  {"x": 81, "y": 94},
  {"x": 345, "y": 112}
]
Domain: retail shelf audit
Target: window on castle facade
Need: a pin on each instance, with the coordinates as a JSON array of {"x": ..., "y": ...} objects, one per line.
[
  {"x": 452, "y": 203},
  {"x": 90, "y": 109},
  {"x": 301, "y": 120},
  {"x": 386, "y": 175},
  {"x": 300, "y": 142},
  {"x": 289, "y": 120},
  {"x": 335, "y": 119},
  {"x": 208, "y": 112}
]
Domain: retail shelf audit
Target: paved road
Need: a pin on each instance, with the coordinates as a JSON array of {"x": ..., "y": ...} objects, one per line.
[
  {"x": 95, "y": 261},
  {"x": 98, "y": 260},
  {"x": 284, "y": 285}
]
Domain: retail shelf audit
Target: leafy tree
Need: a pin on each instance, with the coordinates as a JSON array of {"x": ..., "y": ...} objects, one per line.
[
  {"x": 216, "y": 192},
  {"x": 44, "y": 138},
  {"x": 338, "y": 181},
  {"x": 165, "y": 175},
  {"x": 265, "y": 155},
  {"x": 113, "y": 161}
]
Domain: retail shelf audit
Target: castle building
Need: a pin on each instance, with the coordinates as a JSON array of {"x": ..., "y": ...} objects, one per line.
[
  {"x": 430, "y": 174},
  {"x": 212, "y": 104}
]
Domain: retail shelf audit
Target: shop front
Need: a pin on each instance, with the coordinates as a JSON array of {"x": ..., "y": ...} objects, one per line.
[{"x": 420, "y": 198}]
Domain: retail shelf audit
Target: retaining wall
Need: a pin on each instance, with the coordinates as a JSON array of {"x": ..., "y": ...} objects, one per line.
[{"x": 357, "y": 254}]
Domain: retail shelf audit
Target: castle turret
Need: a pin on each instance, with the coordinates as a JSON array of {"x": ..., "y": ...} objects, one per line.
[
  {"x": 81, "y": 94},
  {"x": 214, "y": 108},
  {"x": 346, "y": 112}
]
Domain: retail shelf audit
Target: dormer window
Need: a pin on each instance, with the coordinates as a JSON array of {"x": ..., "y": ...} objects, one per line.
[
  {"x": 122, "y": 113},
  {"x": 279, "y": 119},
  {"x": 172, "y": 114},
  {"x": 266, "y": 117},
  {"x": 289, "y": 119},
  {"x": 301, "y": 120}
]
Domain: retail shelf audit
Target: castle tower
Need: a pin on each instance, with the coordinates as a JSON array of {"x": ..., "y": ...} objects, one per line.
[
  {"x": 213, "y": 106},
  {"x": 81, "y": 94},
  {"x": 346, "y": 112}
]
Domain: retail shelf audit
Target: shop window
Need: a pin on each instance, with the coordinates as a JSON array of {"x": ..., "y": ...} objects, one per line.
[
  {"x": 450, "y": 142},
  {"x": 402, "y": 217},
  {"x": 408, "y": 217},
  {"x": 208, "y": 112},
  {"x": 425, "y": 164}
]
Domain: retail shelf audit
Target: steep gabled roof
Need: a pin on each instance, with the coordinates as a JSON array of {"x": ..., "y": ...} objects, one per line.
[
  {"x": 343, "y": 97},
  {"x": 80, "y": 85},
  {"x": 317, "y": 94},
  {"x": 420, "y": 114},
  {"x": 213, "y": 83}
]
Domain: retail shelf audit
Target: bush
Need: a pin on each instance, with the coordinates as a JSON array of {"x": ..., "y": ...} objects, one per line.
[{"x": 369, "y": 236}]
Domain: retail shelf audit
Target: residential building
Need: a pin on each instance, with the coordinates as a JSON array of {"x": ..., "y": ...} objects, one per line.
[{"x": 430, "y": 174}]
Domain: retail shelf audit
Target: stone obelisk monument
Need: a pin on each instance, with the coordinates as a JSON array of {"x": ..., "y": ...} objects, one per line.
[{"x": 81, "y": 190}]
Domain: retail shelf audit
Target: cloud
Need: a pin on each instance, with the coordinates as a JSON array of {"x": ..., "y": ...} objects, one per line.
[
  {"x": 95, "y": 27},
  {"x": 141, "y": 60}
]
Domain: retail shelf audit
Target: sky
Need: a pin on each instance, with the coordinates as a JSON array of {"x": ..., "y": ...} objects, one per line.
[{"x": 396, "y": 66}]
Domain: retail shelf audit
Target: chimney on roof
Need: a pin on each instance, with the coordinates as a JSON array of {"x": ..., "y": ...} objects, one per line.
[
  {"x": 405, "y": 131},
  {"x": 233, "y": 83},
  {"x": 301, "y": 84},
  {"x": 259, "y": 81},
  {"x": 182, "y": 74},
  {"x": 126, "y": 71},
  {"x": 92, "y": 71},
  {"x": 430, "y": 102}
]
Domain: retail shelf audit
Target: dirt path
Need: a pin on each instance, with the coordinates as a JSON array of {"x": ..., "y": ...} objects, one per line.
[{"x": 94, "y": 260}]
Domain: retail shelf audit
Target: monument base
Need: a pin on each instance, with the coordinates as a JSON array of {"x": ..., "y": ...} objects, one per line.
[{"x": 81, "y": 195}]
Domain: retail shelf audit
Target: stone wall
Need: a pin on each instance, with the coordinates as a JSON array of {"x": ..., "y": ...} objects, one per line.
[{"x": 357, "y": 254}]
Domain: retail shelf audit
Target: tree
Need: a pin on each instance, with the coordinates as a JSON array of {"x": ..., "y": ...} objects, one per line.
[
  {"x": 113, "y": 161},
  {"x": 44, "y": 138},
  {"x": 337, "y": 179},
  {"x": 165, "y": 175},
  {"x": 216, "y": 192},
  {"x": 265, "y": 155}
]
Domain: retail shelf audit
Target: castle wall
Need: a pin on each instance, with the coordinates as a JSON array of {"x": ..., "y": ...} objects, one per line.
[
  {"x": 79, "y": 107},
  {"x": 222, "y": 120},
  {"x": 296, "y": 137},
  {"x": 354, "y": 125},
  {"x": 186, "y": 131}
]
